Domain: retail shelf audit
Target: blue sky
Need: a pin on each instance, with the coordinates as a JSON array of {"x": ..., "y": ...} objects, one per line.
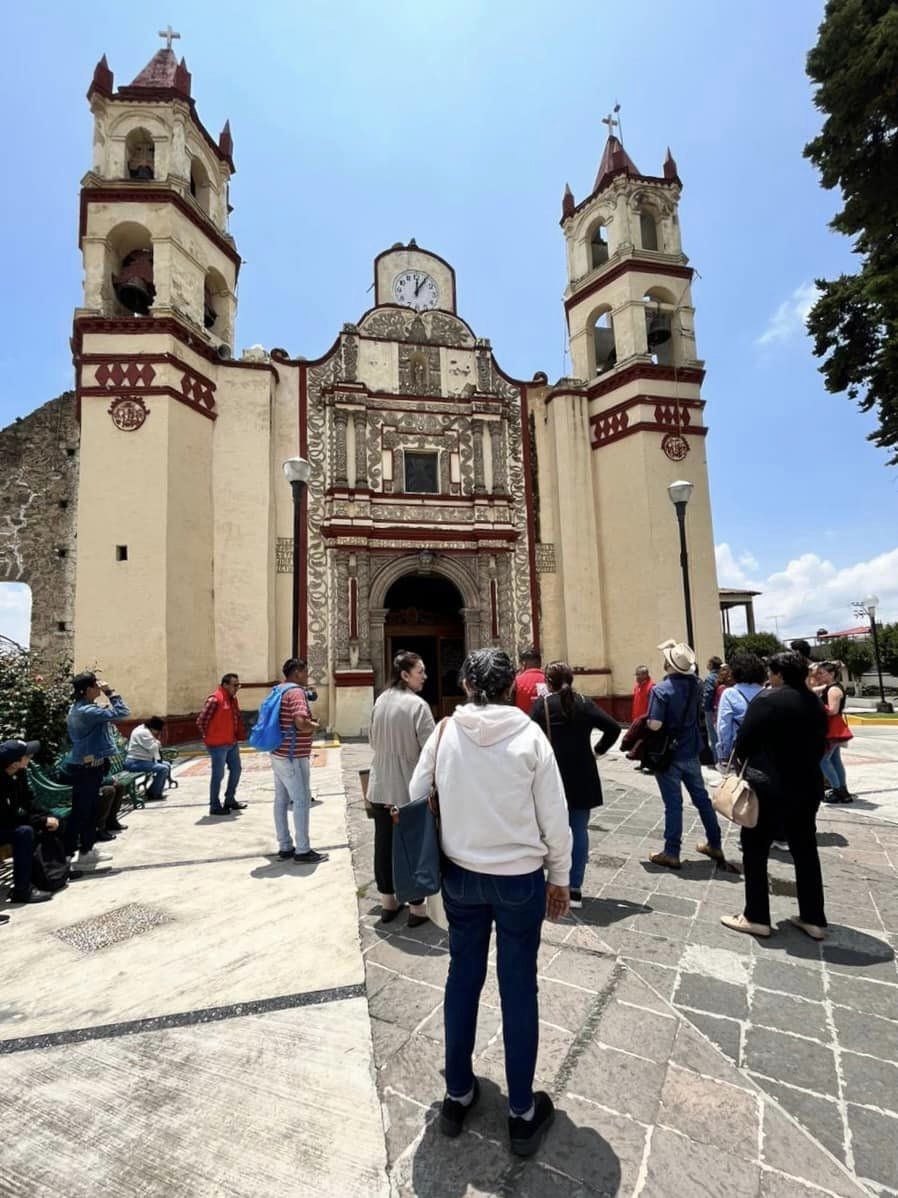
[{"x": 360, "y": 124}]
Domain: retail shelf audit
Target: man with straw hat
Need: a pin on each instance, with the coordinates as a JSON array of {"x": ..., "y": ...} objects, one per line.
[{"x": 674, "y": 712}]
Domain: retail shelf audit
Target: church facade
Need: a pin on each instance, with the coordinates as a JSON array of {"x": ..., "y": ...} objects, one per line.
[{"x": 448, "y": 505}]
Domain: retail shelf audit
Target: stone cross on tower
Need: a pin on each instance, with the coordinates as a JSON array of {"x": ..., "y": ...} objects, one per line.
[
  {"x": 169, "y": 34},
  {"x": 611, "y": 122}
]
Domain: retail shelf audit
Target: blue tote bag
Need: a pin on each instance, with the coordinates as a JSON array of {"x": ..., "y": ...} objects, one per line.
[{"x": 417, "y": 866}]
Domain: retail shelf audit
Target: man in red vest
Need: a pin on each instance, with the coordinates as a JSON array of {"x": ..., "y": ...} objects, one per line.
[
  {"x": 221, "y": 728},
  {"x": 641, "y": 692}
]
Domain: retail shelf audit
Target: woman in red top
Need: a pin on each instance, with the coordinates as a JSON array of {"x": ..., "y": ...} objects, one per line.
[{"x": 837, "y": 732}]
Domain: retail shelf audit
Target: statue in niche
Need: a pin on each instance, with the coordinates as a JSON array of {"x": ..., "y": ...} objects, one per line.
[{"x": 418, "y": 372}]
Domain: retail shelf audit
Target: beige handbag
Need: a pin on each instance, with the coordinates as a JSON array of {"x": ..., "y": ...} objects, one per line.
[{"x": 735, "y": 800}]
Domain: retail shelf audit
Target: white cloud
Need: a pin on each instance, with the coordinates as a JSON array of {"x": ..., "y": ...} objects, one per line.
[
  {"x": 791, "y": 316},
  {"x": 810, "y": 592},
  {"x": 15, "y": 612}
]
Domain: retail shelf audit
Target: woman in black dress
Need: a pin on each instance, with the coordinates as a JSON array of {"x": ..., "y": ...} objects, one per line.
[
  {"x": 568, "y": 720},
  {"x": 782, "y": 739}
]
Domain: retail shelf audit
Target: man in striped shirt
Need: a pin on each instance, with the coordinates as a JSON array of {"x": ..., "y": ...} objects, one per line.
[{"x": 290, "y": 763}]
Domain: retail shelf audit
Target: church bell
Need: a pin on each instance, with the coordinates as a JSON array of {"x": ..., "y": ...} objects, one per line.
[
  {"x": 133, "y": 284},
  {"x": 658, "y": 330}
]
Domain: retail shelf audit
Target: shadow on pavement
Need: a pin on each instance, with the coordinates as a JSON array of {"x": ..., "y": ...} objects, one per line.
[
  {"x": 602, "y": 912},
  {"x": 831, "y": 839},
  {"x": 483, "y": 1163}
]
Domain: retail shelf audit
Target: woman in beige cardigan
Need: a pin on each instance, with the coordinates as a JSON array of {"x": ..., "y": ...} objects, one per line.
[{"x": 401, "y": 722}]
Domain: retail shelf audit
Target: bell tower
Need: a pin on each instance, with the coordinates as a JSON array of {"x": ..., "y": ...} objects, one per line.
[
  {"x": 623, "y": 428},
  {"x": 152, "y": 345}
]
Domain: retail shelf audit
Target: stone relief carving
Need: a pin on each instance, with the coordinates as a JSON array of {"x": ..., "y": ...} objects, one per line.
[
  {"x": 419, "y": 370},
  {"x": 319, "y": 377},
  {"x": 449, "y": 330},
  {"x": 387, "y": 322},
  {"x": 439, "y": 327},
  {"x": 350, "y": 354}
]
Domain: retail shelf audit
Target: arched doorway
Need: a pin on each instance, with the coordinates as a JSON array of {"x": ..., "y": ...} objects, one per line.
[{"x": 424, "y": 614}]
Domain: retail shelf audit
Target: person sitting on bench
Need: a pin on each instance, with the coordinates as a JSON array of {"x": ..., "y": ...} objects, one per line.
[
  {"x": 144, "y": 756},
  {"x": 18, "y": 826}
]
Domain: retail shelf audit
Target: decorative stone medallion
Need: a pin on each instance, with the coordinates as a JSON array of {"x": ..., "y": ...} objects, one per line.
[
  {"x": 128, "y": 414},
  {"x": 675, "y": 446}
]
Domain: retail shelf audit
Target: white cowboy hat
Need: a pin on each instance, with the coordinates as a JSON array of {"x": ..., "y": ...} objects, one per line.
[{"x": 678, "y": 657}]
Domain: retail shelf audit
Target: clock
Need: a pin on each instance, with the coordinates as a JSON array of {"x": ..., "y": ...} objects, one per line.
[{"x": 416, "y": 289}]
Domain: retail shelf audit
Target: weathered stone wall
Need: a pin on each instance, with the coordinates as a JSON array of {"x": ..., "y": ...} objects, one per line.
[{"x": 38, "y": 505}]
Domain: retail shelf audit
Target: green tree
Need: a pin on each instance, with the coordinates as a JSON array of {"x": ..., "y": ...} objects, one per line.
[
  {"x": 854, "y": 322},
  {"x": 855, "y": 655},
  {"x": 763, "y": 643},
  {"x": 34, "y": 701}
]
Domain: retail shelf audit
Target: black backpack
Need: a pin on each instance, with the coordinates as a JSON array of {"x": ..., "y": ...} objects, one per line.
[{"x": 49, "y": 870}]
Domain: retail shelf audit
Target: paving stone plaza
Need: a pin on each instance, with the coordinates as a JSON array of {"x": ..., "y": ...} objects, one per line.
[{"x": 199, "y": 1018}]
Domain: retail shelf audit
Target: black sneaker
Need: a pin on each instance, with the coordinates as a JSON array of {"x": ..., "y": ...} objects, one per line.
[
  {"x": 526, "y": 1135},
  {"x": 30, "y": 896},
  {"x": 453, "y": 1114},
  {"x": 234, "y": 806},
  {"x": 310, "y": 858},
  {"x": 576, "y": 898},
  {"x": 217, "y": 811},
  {"x": 285, "y": 854}
]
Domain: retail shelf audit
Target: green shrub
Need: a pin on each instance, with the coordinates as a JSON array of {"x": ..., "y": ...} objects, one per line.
[{"x": 34, "y": 701}]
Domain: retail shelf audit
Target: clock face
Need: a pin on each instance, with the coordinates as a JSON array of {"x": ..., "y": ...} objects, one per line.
[{"x": 415, "y": 289}]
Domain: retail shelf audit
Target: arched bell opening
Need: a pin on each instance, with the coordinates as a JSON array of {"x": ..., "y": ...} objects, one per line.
[
  {"x": 424, "y": 614},
  {"x": 216, "y": 306},
  {"x": 603, "y": 348},
  {"x": 648, "y": 230},
  {"x": 140, "y": 155},
  {"x": 598, "y": 246},
  {"x": 200, "y": 187},
  {"x": 659, "y": 325},
  {"x": 129, "y": 253}
]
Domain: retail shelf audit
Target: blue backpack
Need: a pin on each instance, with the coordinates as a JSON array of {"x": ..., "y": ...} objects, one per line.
[{"x": 266, "y": 734}]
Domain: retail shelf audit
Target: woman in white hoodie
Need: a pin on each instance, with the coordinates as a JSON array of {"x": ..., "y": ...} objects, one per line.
[{"x": 504, "y": 821}]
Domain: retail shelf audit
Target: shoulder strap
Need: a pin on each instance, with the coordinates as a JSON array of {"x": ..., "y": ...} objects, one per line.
[{"x": 548, "y": 718}]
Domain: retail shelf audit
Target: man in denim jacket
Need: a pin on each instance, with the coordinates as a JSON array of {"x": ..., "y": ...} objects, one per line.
[{"x": 89, "y": 726}]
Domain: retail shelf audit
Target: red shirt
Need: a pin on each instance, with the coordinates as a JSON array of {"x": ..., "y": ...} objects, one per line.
[
  {"x": 293, "y": 742},
  {"x": 641, "y": 693},
  {"x": 527, "y": 686}
]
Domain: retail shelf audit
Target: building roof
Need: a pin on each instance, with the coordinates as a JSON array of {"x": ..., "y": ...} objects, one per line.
[
  {"x": 731, "y": 592},
  {"x": 159, "y": 71},
  {"x": 615, "y": 161},
  {"x": 860, "y": 630}
]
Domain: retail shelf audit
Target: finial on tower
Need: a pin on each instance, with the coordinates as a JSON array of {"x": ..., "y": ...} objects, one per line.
[
  {"x": 102, "y": 80},
  {"x": 670, "y": 166},
  {"x": 169, "y": 35},
  {"x": 567, "y": 202}
]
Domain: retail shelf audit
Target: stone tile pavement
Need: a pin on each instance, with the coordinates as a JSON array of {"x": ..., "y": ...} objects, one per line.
[{"x": 684, "y": 1059}]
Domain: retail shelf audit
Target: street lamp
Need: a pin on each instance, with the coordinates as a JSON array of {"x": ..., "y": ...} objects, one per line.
[
  {"x": 680, "y": 493},
  {"x": 297, "y": 471},
  {"x": 870, "y": 605}
]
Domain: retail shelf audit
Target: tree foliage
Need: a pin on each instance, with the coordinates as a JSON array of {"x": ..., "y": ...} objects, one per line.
[
  {"x": 888, "y": 647},
  {"x": 34, "y": 701},
  {"x": 855, "y": 654},
  {"x": 765, "y": 644},
  {"x": 854, "y": 322}
]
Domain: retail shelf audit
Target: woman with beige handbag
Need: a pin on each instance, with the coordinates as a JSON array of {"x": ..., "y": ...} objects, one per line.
[{"x": 783, "y": 738}]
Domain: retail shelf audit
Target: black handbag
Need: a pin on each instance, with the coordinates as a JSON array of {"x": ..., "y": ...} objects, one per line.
[
  {"x": 49, "y": 868},
  {"x": 417, "y": 858}
]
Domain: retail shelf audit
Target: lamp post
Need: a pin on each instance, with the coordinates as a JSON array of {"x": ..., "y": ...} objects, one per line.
[
  {"x": 869, "y": 606},
  {"x": 297, "y": 471},
  {"x": 680, "y": 493}
]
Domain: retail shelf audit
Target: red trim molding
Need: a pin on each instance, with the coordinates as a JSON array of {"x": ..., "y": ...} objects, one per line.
[
  {"x": 157, "y": 326},
  {"x": 353, "y": 678},
  {"x": 635, "y": 265},
  {"x": 531, "y": 513},
  {"x": 645, "y": 370},
  {"x": 134, "y": 195},
  {"x": 671, "y": 415},
  {"x": 145, "y": 392},
  {"x": 588, "y": 670}
]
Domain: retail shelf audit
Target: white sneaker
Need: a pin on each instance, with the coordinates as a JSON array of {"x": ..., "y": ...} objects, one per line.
[
  {"x": 782, "y": 845},
  {"x": 92, "y": 858}
]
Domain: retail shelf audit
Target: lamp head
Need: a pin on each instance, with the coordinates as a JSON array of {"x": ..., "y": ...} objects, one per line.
[
  {"x": 870, "y": 604},
  {"x": 297, "y": 470},
  {"x": 680, "y": 491}
]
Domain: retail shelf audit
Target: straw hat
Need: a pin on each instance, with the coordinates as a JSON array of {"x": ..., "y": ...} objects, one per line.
[{"x": 678, "y": 657}]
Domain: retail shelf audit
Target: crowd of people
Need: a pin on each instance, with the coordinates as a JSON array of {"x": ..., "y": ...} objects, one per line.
[{"x": 515, "y": 769}]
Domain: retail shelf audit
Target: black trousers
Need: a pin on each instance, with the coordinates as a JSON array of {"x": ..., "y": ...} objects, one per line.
[
  {"x": 22, "y": 840},
  {"x": 81, "y": 825},
  {"x": 796, "y": 824},
  {"x": 383, "y": 850}
]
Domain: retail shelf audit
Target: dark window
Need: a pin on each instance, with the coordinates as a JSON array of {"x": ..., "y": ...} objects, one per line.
[
  {"x": 70, "y": 453},
  {"x": 61, "y": 626},
  {"x": 121, "y": 553},
  {"x": 61, "y": 551},
  {"x": 63, "y": 503},
  {"x": 422, "y": 473}
]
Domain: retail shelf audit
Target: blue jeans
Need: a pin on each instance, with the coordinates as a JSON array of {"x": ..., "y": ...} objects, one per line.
[
  {"x": 223, "y": 755},
  {"x": 159, "y": 769},
  {"x": 578, "y": 818},
  {"x": 291, "y": 790},
  {"x": 686, "y": 773},
  {"x": 833, "y": 769},
  {"x": 517, "y": 903}
]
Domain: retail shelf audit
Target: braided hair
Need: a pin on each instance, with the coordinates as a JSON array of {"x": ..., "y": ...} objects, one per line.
[
  {"x": 560, "y": 678},
  {"x": 489, "y": 674}
]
